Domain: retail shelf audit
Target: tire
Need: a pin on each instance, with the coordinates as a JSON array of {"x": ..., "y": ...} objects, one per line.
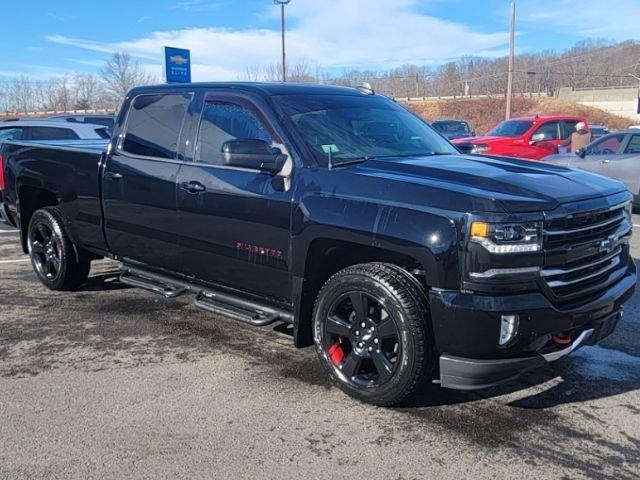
[
  {"x": 386, "y": 360},
  {"x": 54, "y": 258}
]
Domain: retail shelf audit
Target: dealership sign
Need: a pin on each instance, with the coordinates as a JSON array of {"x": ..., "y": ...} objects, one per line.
[{"x": 177, "y": 65}]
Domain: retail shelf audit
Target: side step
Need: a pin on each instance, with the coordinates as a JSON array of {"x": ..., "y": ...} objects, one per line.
[
  {"x": 238, "y": 307},
  {"x": 257, "y": 318},
  {"x": 139, "y": 280}
]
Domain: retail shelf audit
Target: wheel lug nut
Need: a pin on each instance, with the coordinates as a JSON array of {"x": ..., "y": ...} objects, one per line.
[
  {"x": 371, "y": 349},
  {"x": 375, "y": 340},
  {"x": 360, "y": 345},
  {"x": 363, "y": 324},
  {"x": 357, "y": 333}
]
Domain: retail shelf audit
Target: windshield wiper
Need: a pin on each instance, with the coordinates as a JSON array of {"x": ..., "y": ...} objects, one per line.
[{"x": 333, "y": 163}]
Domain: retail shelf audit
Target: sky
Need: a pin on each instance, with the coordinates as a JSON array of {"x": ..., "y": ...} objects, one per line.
[{"x": 45, "y": 38}]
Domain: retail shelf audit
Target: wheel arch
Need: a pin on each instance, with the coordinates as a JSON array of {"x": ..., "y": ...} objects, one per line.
[{"x": 30, "y": 199}]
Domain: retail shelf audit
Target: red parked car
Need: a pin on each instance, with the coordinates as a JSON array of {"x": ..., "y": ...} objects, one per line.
[{"x": 525, "y": 137}]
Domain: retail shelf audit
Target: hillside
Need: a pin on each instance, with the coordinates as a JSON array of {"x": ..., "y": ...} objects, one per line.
[{"x": 485, "y": 113}]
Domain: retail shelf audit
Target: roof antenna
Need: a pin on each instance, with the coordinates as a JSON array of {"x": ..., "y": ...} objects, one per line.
[{"x": 366, "y": 88}]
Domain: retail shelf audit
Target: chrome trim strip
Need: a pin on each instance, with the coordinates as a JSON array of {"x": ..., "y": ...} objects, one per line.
[
  {"x": 560, "y": 271},
  {"x": 494, "y": 272},
  {"x": 553, "y": 356},
  {"x": 561, "y": 283}
]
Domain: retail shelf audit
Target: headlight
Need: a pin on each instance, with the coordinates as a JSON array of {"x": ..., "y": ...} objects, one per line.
[
  {"x": 479, "y": 149},
  {"x": 504, "y": 238},
  {"x": 628, "y": 208}
]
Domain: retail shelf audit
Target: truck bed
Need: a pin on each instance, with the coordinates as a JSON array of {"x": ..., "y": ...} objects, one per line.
[{"x": 68, "y": 168}]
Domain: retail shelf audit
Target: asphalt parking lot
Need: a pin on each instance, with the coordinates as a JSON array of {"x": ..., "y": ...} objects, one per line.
[{"x": 114, "y": 382}]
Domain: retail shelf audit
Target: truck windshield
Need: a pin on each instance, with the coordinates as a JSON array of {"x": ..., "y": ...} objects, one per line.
[
  {"x": 355, "y": 127},
  {"x": 511, "y": 128},
  {"x": 451, "y": 126}
]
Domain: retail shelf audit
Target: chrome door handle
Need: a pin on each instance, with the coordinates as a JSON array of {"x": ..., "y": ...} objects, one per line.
[
  {"x": 605, "y": 161},
  {"x": 192, "y": 187},
  {"x": 113, "y": 176}
]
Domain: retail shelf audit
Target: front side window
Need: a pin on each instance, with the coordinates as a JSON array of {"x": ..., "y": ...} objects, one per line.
[
  {"x": 511, "y": 128},
  {"x": 569, "y": 128},
  {"x": 352, "y": 127},
  {"x": 451, "y": 126},
  {"x": 51, "y": 133},
  {"x": 549, "y": 131},
  {"x": 634, "y": 145},
  {"x": 606, "y": 145},
  {"x": 154, "y": 123},
  {"x": 221, "y": 122}
]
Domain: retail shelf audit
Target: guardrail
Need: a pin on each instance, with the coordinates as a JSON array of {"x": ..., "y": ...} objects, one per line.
[{"x": 469, "y": 97}]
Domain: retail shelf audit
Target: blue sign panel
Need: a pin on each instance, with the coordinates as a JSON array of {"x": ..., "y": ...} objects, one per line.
[{"x": 177, "y": 65}]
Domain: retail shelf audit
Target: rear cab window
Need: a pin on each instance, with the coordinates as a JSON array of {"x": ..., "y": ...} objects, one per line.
[{"x": 154, "y": 124}]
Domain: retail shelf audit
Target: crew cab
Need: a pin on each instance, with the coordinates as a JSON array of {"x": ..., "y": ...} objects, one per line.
[
  {"x": 340, "y": 212},
  {"x": 533, "y": 137}
]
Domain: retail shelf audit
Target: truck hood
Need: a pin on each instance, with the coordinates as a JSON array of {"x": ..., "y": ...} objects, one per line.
[{"x": 497, "y": 184}]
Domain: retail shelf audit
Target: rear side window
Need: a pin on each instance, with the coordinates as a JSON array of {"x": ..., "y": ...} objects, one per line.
[
  {"x": 222, "y": 122},
  {"x": 50, "y": 133},
  {"x": 10, "y": 134},
  {"x": 103, "y": 133},
  {"x": 634, "y": 145},
  {"x": 154, "y": 123}
]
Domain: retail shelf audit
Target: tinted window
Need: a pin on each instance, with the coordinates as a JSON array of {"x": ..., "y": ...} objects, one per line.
[
  {"x": 511, "y": 128},
  {"x": 154, "y": 123},
  {"x": 634, "y": 145},
  {"x": 50, "y": 133},
  {"x": 359, "y": 126},
  {"x": 222, "y": 122},
  {"x": 12, "y": 133},
  {"x": 106, "y": 121},
  {"x": 569, "y": 128},
  {"x": 549, "y": 130},
  {"x": 606, "y": 145}
]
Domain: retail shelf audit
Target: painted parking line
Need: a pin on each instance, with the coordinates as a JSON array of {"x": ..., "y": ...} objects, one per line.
[
  {"x": 635, "y": 225},
  {"x": 9, "y": 231},
  {"x": 16, "y": 260}
]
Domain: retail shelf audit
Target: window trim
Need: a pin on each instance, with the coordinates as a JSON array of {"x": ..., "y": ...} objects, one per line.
[
  {"x": 628, "y": 142},
  {"x": 123, "y": 132}
]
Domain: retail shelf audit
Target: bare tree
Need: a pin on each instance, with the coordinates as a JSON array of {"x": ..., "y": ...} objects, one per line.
[
  {"x": 89, "y": 92},
  {"x": 121, "y": 73}
]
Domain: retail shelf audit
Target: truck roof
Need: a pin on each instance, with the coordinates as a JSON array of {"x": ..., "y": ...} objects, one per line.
[
  {"x": 533, "y": 118},
  {"x": 265, "y": 88}
]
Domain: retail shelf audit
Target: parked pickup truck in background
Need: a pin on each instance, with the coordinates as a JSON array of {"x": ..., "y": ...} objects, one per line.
[
  {"x": 340, "y": 212},
  {"x": 524, "y": 137}
]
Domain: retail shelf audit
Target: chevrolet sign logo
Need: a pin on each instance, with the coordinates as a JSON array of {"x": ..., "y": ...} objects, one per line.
[
  {"x": 607, "y": 244},
  {"x": 178, "y": 60}
]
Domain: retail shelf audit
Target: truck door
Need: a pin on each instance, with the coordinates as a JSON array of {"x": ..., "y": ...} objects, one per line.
[
  {"x": 234, "y": 222},
  {"x": 545, "y": 140},
  {"x": 139, "y": 181},
  {"x": 625, "y": 166}
]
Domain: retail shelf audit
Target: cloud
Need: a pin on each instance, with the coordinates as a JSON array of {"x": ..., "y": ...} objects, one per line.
[
  {"x": 615, "y": 19},
  {"x": 334, "y": 35}
]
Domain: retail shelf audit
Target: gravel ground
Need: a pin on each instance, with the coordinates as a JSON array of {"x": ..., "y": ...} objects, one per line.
[{"x": 114, "y": 382}]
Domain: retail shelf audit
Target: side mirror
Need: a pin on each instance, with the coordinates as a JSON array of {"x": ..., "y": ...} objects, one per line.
[
  {"x": 581, "y": 152},
  {"x": 537, "y": 137},
  {"x": 254, "y": 154}
]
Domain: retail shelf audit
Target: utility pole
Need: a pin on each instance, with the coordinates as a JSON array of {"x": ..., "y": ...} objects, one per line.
[
  {"x": 512, "y": 39},
  {"x": 282, "y": 3}
]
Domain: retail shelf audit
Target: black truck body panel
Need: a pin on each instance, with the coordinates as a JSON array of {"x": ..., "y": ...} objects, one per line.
[{"x": 256, "y": 233}]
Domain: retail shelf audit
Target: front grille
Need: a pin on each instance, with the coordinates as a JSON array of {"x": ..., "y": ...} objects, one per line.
[{"x": 585, "y": 253}]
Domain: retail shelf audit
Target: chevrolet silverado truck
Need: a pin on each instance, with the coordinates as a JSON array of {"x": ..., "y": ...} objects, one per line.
[
  {"x": 534, "y": 137},
  {"x": 337, "y": 211}
]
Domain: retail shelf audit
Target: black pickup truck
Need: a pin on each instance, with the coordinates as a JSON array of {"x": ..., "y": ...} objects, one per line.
[{"x": 340, "y": 212}]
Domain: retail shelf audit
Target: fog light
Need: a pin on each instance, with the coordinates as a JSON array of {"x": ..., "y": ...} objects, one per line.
[{"x": 508, "y": 328}]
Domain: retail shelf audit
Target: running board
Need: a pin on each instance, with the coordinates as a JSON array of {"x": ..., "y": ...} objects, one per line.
[
  {"x": 253, "y": 312},
  {"x": 153, "y": 285},
  {"x": 257, "y": 318}
]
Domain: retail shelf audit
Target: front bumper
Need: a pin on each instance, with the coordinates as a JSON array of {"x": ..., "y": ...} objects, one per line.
[{"x": 466, "y": 330}]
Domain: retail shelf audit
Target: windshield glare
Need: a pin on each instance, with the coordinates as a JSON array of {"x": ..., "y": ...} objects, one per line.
[
  {"x": 511, "y": 128},
  {"x": 349, "y": 127}
]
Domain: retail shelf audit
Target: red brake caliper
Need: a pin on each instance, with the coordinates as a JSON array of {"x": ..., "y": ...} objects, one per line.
[{"x": 336, "y": 354}]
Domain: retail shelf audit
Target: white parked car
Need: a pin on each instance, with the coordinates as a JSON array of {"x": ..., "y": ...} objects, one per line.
[{"x": 50, "y": 130}]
